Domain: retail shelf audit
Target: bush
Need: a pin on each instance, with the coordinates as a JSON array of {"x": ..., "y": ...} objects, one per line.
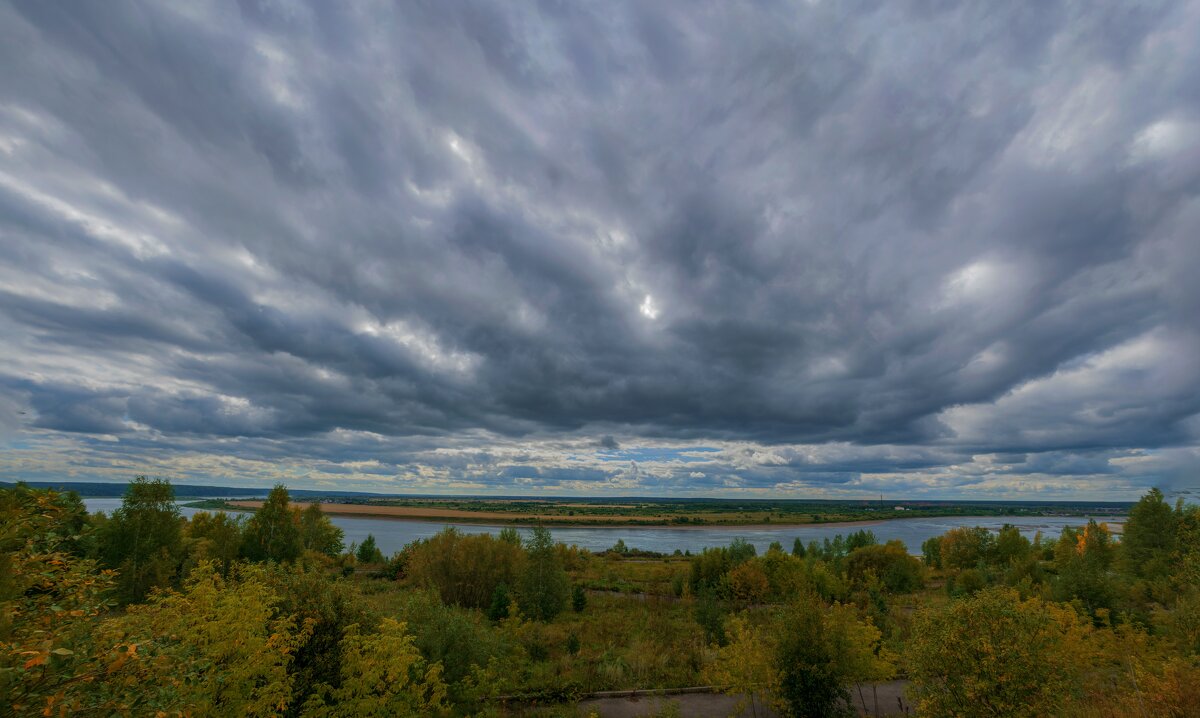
[
  {"x": 994, "y": 654},
  {"x": 890, "y": 563}
]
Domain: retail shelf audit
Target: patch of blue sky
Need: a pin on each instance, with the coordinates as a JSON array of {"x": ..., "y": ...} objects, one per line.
[{"x": 652, "y": 454}]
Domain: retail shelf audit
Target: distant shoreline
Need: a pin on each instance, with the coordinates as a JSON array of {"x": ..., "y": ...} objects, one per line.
[{"x": 501, "y": 518}]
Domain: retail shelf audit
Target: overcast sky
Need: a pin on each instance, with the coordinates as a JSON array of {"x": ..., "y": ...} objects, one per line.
[{"x": 812, "y": 249}]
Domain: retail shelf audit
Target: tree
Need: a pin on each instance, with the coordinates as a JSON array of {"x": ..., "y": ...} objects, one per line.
[
  {"x": 1011, "y": 546},
  {"x": 383, "y": 674},
  {"x": 216, "y": 537},
  {"x": 890, "y": 563},
  {"x": 272, "y": 533},
  {"x": 798, "y": 548},
  {"x": 963, "y": 547},
  {"x": 545, "y": 586},
  {"x": 822, "y": 651},
  {"x": 501, "y": 603},
  {"x": 50, "y": 600},
  {"x": 143, "y": 540},
  {"x": 368, "y": 552},
  {"x": 748, "y": 583},
  {"x": 710, "y": 615},
  {"x": 1083, "y": 559},
  {"x": 578, "y": 599},
  {"x": 317, "y": 532},
  {"x": 994, "y": 654},
  {"x": 931, "y": 551},
  {"x": 745, "y": 666},
  {"x": 465, "y": 570},
  {"x": 218, "y": 647},
  {"x": 1149, "y": 538}
]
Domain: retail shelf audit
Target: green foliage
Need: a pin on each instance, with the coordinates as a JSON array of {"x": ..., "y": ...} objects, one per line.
[
  {"x": 219, "y": 647},
  {"x": 963, "y": 547},
  {"x": 501, "y": 605},
  {"x": 995, "y": 654},
  {"x": 510, "y": 536},
  {"x": 457, "y": 638},
  {"x": 143, "y": 539},
  {"x": 931, "y": 551},
  {"x": 1148, "y": 544},
  {"x": 798, "y": 548},
  {"x": 710, "y": 615},
  {"x": 464, "y": 569},
  {"x": 383, "y": 674},
  {"x": 328, "y": 608},
  {"x": 317, "y": 532},
  {"x": 745, "y": 666},
  {"x": 822, "y": 650},
  {"x": 1083, "y": 559},
  {"x": 578, "y": 599},
  {"x": 544, "y": 584},
  {"x": 1011, "y": 546},
  {"x": 573, "y": 643},
  {"x": 272, "y": 533},
  {"x": 215, "y": 537},
  {"x": 368, "y": 552},
  {"x": 49, "y": 601},
  {"x": 741, "y": 550},
  {"x": 890, "y": 564}
]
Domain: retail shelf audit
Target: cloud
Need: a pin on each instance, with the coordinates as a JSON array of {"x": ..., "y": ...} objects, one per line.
[{"x": 474, "y": 244}]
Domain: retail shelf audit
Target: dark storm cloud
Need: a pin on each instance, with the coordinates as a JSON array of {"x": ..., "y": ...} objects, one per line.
[{"x": 479, "y": 242}]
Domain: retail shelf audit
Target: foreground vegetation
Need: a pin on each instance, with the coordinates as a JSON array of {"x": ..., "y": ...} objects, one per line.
[{"x": 148, "y": 613}]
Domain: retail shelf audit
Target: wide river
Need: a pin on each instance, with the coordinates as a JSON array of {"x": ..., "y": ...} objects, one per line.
[{"x": 392, "y": 534}]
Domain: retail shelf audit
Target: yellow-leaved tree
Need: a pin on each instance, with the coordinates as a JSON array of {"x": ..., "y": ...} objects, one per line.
[
  {"x": 219, "y": 647},
  {"x": 745, "y": 666},
  {"x": 993, "y": 654},
  {"x": 383, "y": 674}
]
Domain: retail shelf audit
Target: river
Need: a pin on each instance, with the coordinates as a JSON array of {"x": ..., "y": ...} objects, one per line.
[{"x": 392, "y": 534}]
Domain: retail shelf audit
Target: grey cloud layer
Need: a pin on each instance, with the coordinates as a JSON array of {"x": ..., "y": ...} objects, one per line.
[{"x": 916, "y": 245}]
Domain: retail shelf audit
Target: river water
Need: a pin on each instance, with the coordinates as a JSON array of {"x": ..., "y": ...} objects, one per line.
[{"x": 392, "y": 534}]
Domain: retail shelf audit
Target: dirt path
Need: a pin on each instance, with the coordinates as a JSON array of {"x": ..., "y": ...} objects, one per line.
[{"x": 716, "y": 705}]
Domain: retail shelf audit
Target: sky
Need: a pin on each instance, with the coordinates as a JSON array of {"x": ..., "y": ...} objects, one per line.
[{"x": 776, "y": 249}]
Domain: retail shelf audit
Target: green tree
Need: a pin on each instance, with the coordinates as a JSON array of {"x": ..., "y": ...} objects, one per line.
[
  {"x": 964, "y": 547},
  {"x": 466, "y": 570},
  {"x": 994, "y": 654},
  {"x": 798, "y": 548},
  {"x": 1011, "y": 546},
  {"x": 1149, "y": 539},
  {"x": 710, "y": 615},
  {"x": 544, "y": 586},
  {"x": 215, "y": 537},
  {"x": 143, "y": 539},
  {"x": 368, "y": 552},
  {"x": 1083, "y": 559},
  {"x": 822, "y": 652},
  {"x": 931, "y": 551},
  {"x": 578, "y": 599},
  {"x": 317, "y": 532},
  {"x": 890, "y": 563},
  {"x": 272, "y": 533},
  {"x": 501, "y": 603}
]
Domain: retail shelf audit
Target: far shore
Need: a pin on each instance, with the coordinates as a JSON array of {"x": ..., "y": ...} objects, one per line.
[{"x": 501, "y": 518}]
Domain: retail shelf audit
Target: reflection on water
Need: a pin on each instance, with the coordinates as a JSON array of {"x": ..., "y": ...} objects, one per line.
[{"x": 392, "y": 534}]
